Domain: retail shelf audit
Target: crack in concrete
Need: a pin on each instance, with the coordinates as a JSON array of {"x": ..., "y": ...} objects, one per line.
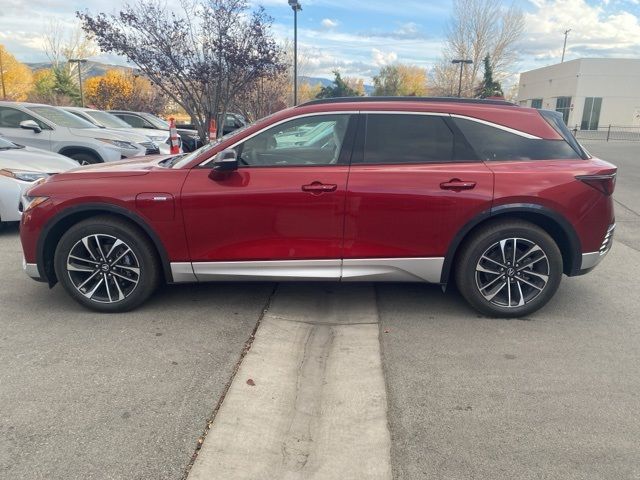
[{"x": 297, "y": 445}]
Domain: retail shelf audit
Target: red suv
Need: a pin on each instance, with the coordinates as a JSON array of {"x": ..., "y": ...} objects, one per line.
[{"x": 499, "y": 197}]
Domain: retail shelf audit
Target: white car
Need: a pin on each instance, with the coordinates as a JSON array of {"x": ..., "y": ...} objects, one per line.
[
  {"x": 104, "y": 119},
  {"x": 20, "y": 167},
  {"x": 53, "y": 129}
]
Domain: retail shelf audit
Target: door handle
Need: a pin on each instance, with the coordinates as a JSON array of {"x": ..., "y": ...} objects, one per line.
[
  {"x": 457, "y": 184},
  {"x": 317, "y": 188}
]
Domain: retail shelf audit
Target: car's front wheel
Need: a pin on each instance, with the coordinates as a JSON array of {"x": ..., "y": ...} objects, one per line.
[
  {"x": 107, "y": 264},
  {"x": 509, "y": 269}
]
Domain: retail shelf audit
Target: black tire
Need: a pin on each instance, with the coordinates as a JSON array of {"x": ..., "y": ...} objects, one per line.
[
  {"x": 142, "y": 257},
  {"x": 85, "y": 158},
  {"x": 472, "y": 269}
]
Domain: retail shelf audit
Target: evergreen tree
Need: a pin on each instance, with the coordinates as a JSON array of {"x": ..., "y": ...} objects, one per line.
[
  {"x": 489, "y": 87},
  {"x": 340, "y": 88}
]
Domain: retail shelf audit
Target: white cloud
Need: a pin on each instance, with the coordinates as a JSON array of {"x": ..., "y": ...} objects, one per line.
[
  {"x": 380, "y": 58},
  {"x": 328, "y": 23},
  {"x": 596, "y": 31}
]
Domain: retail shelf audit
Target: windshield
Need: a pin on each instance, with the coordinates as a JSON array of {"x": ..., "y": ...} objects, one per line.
[
  {"x": 107, "y": 119},
  {"x": 7, "y": 145},
  {"x": 157, "y": 122},
  {"x": 61, "y": 118}
]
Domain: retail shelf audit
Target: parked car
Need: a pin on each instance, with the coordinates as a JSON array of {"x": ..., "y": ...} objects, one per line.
[
  {"x": 20, "y": 168},
  {"x": 53, "y": 129},
  {"x": 189, "y": 139},
  {"x": 155, "y": 141},
  {"x": 498, "y": 198},
  {"x": 233, "y": 121}
]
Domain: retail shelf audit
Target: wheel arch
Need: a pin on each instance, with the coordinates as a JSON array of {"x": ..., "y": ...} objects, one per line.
[
  {"x": 60, "y": 223},
  {"x": 70, "y": 150},
  {"x": 550, "y": 221}
]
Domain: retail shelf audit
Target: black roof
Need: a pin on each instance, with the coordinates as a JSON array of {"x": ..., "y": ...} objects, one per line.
[{"x": 479, "y": 101}]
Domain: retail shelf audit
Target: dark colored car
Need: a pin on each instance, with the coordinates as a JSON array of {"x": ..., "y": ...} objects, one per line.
[
  {"x": 233, "y": 121},
  {"x": 499, "y": 198},
  {"x": 189, "y": 138}
]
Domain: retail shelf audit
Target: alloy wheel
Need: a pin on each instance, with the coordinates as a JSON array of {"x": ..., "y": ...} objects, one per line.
[
  {"x": 512, "y": 272},
  {"x": 103, "y": 268}
]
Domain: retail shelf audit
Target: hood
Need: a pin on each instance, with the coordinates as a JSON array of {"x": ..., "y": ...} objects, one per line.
[
  {"x": 35, "y": 160},
  {"x": 147, "y": 133},
  {"x": 127, "y": 134},
  {"x": 103, "y": 133},
  {"x": 123, "y": 168}
]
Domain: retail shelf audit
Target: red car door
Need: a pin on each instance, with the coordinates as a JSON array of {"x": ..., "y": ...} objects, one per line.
[
  {"x": 412, "y": 186},
  {"x": 280, "y": 215}
]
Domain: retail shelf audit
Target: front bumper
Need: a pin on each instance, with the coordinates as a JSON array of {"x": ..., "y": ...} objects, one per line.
[{"x": 31, "y": 269}]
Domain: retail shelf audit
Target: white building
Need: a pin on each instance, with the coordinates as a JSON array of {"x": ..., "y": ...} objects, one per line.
[{"x": 589, "y": 92}]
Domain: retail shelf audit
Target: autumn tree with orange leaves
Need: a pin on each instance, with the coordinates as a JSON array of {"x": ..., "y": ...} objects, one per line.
[
  {"x": 123, "y": 90},
  {"x": 16, "y": 79}
]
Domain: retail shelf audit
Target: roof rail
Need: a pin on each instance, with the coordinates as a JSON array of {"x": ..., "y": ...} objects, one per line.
[{"x": 409, "y": 99}]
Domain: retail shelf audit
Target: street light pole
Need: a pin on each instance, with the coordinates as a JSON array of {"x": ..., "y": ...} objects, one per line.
[
  {"x": 296, "y": 7},
  {"x": 462, "y": 63},
  {"x": 566, "y": 32},
  {"x": 79, "y": 61},
  {"x": 4, "y": 91}
]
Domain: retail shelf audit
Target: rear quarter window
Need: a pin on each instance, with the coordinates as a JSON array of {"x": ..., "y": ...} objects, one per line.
[{"x": 493, "y": 144}]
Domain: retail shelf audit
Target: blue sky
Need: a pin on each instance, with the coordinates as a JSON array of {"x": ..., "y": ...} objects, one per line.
[{"x": 360, "y": 36}]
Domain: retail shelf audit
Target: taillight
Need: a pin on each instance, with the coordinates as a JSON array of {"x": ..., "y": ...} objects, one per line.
[{"x": 604, "y": 183}]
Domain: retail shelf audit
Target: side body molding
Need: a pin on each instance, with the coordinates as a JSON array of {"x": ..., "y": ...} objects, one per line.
[{"x": 367, "y": 269}]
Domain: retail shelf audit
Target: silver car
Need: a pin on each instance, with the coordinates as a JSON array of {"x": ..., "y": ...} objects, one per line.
[
  {"x": 20, "y": 168},
  {"x": 158, "y": 140},
  {"x": 51, "y": 128}
]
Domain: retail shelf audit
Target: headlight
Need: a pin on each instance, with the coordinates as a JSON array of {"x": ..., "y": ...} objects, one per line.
[
  {"x": 29, "y": 203},
  {"x": 157, "y": 138},
  {"x": 119, "y": 143},
  {"x": 22, "y": 175}
]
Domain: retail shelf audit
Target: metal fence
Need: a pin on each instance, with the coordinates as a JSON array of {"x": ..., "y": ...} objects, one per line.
[{"x": 610, "y": 132}]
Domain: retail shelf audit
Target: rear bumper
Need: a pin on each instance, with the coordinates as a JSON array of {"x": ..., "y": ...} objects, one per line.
[{"x": 591, "y": 259}]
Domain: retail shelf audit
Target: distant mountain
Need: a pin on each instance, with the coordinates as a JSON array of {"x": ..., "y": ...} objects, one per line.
[
  {"x": 313, "y": 81},
  {"x": 95, "y": 69}
]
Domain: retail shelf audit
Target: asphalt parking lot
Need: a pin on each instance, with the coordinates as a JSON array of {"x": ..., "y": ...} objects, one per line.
[{"x": 88, "y": 396}]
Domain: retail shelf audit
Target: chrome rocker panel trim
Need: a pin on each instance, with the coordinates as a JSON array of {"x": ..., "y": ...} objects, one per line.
[{"x": 373, "y": 269}]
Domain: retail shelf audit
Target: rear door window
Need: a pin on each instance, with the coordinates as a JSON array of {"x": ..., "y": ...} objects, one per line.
[
  {"x": 492, "y": 143},
  {"x": 407, "y": 138}
]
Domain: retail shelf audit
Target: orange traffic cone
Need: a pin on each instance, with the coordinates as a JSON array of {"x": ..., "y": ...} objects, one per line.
[
  {"x": 173, "y": 136},
  {"x": 213, "y": 131}
]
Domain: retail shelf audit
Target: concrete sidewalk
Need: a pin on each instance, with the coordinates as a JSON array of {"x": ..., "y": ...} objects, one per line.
[{"x": 309, "y": 400}]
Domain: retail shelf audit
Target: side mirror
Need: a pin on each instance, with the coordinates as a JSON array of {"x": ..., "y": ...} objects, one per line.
[
  {"x": 226, "y": 161},
  {"x": 30, "y": 125}
]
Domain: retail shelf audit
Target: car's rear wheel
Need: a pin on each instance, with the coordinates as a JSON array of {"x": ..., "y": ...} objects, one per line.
[
  {"x": 509, "y": 269},
  {"x": 85, "y": 158},
  {"x": 107, "y": 264}
]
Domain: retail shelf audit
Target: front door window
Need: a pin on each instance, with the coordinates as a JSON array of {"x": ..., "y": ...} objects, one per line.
[{"x": 307, "y": 141}]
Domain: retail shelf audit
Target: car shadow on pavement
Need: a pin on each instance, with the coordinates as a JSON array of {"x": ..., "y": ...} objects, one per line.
[{"x": 9, "y": 229}]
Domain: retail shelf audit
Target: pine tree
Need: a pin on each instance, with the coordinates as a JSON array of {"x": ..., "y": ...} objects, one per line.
[
  {"x": 340, "y": 88},
  {"x": 489, "y": 87}
]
